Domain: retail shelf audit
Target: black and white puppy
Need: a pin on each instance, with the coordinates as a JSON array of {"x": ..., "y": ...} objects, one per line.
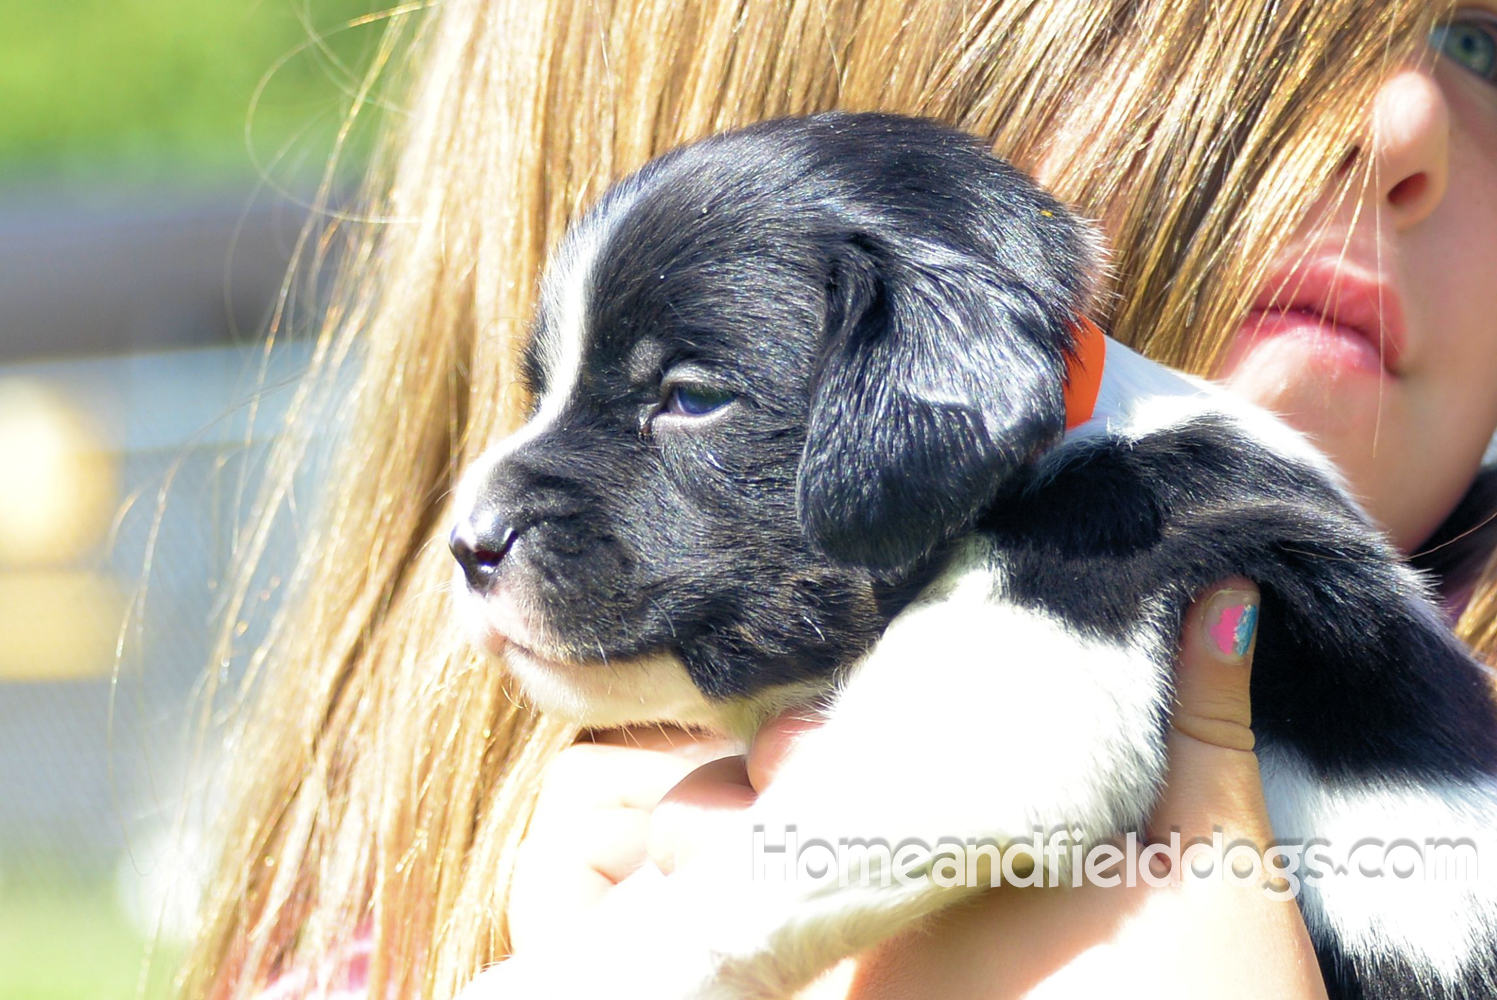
[{"x": 801, "y": 435}]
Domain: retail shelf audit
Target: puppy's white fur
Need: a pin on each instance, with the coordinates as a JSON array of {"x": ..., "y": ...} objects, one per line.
[
  {"x": 1377, "y": 912},
  {"x": 972, "y": 719},
  {"x": 910, "y": 749},
  {"x": 956, "y": 726},
  {"x": 560, "y": 349}
]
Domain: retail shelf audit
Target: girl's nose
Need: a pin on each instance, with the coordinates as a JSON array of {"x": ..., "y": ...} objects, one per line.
[{"x": 1410, "y": 140}]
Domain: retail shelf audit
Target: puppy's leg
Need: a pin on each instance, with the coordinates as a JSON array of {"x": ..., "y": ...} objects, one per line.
[{"x": 973, "y": 720}]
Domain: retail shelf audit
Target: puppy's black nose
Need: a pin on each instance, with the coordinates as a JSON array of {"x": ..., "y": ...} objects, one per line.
[{"x": 480, "y": 544}]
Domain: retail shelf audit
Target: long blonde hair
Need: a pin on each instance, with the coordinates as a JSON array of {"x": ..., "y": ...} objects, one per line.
[{"x": 382, "y": 772}]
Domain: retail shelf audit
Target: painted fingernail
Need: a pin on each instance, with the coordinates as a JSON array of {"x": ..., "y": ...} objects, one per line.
[{"x": 1231, "y": 623}]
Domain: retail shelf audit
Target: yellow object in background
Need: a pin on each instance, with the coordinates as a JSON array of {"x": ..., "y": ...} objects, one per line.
[
  {"x": 58, "y": 493},
  {"x": 58, "y": 484},
  {"x": 58, "y": 624}
]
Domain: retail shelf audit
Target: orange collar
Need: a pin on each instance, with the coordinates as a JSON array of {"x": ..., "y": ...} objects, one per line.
[{"x": 1084, "y": 365}]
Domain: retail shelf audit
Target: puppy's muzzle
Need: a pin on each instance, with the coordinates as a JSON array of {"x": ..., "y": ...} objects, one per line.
[
  {"x": 480, "y": 542},
  {"x": 524, "y": 514}
]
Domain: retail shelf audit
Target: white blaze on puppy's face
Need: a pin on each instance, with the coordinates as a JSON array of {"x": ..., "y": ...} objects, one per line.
[
  {"x": 601, "y": 692},
  {"x": 561, "y": 339},
  {"x": 560, "y": 342}
]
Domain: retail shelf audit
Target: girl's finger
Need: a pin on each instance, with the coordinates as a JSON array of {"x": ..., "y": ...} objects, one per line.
[
  {"x": 588, "y": 776},
  {"x": 1213, "y": 773},
  {"x": 774, "y": 741},
  {"x": 689, "y": 815}
]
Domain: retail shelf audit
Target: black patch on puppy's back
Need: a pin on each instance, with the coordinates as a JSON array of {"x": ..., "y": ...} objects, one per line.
[{"x": 1351, "y": 668}]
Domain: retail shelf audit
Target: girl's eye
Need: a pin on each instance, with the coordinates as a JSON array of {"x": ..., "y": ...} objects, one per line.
[
  {"x": 696, "y": 400},
  {"x": 1469, "y": 43}
]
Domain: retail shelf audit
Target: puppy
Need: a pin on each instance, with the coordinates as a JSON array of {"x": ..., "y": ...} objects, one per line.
[{"x": 819, "y": 419}]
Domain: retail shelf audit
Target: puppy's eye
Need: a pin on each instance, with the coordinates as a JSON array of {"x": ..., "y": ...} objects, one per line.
[{"x": 696, "y": 400}]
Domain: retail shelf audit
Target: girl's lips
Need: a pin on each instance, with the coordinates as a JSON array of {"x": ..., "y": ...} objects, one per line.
[
  {"x": 1323, "y": 342},
  {"x": 1345, "y": 315}
]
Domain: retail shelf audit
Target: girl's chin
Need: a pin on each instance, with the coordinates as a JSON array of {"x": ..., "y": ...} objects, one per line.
[{"x": 1336, "y": 400}]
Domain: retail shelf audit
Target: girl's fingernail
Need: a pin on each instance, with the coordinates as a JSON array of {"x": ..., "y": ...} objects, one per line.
[{"x": 1231, "y": 624}]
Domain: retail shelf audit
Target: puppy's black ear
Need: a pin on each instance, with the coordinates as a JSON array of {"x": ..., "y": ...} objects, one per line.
[{"x": 940, "y": 375}]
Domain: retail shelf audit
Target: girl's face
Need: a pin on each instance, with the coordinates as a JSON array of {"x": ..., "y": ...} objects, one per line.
[{"x": 1377, "y": 335}]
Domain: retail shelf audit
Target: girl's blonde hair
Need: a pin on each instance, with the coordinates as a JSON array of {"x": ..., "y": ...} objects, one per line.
[{"x": 383, "y": 773}]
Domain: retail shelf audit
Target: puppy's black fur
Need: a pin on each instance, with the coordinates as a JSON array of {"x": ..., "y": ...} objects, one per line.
[
  {"x": 780, "y": 371},
  {"x": 854, "y": 282}
]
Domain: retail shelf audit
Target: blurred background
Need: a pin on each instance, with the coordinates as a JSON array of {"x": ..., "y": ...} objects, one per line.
[{"x": 157, "y": 161}]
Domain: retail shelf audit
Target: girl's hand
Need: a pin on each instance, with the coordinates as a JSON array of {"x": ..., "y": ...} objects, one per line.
[
  {"x": 588, "y": 832},
  {"x": 594, "y": 825},
  {"x": 1208, "y": 939}
]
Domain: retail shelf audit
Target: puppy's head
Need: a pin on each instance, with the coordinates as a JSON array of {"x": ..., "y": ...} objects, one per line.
[{"x": 774, "y": 371}]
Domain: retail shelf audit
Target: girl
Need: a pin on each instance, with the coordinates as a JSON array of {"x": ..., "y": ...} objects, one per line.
[{"x": 1298, "y": 196}]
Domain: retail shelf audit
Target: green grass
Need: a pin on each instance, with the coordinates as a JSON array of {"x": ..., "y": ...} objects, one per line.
[
  {"x": 62, "y": 941},
  {"x": 143, "y": 90}
]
